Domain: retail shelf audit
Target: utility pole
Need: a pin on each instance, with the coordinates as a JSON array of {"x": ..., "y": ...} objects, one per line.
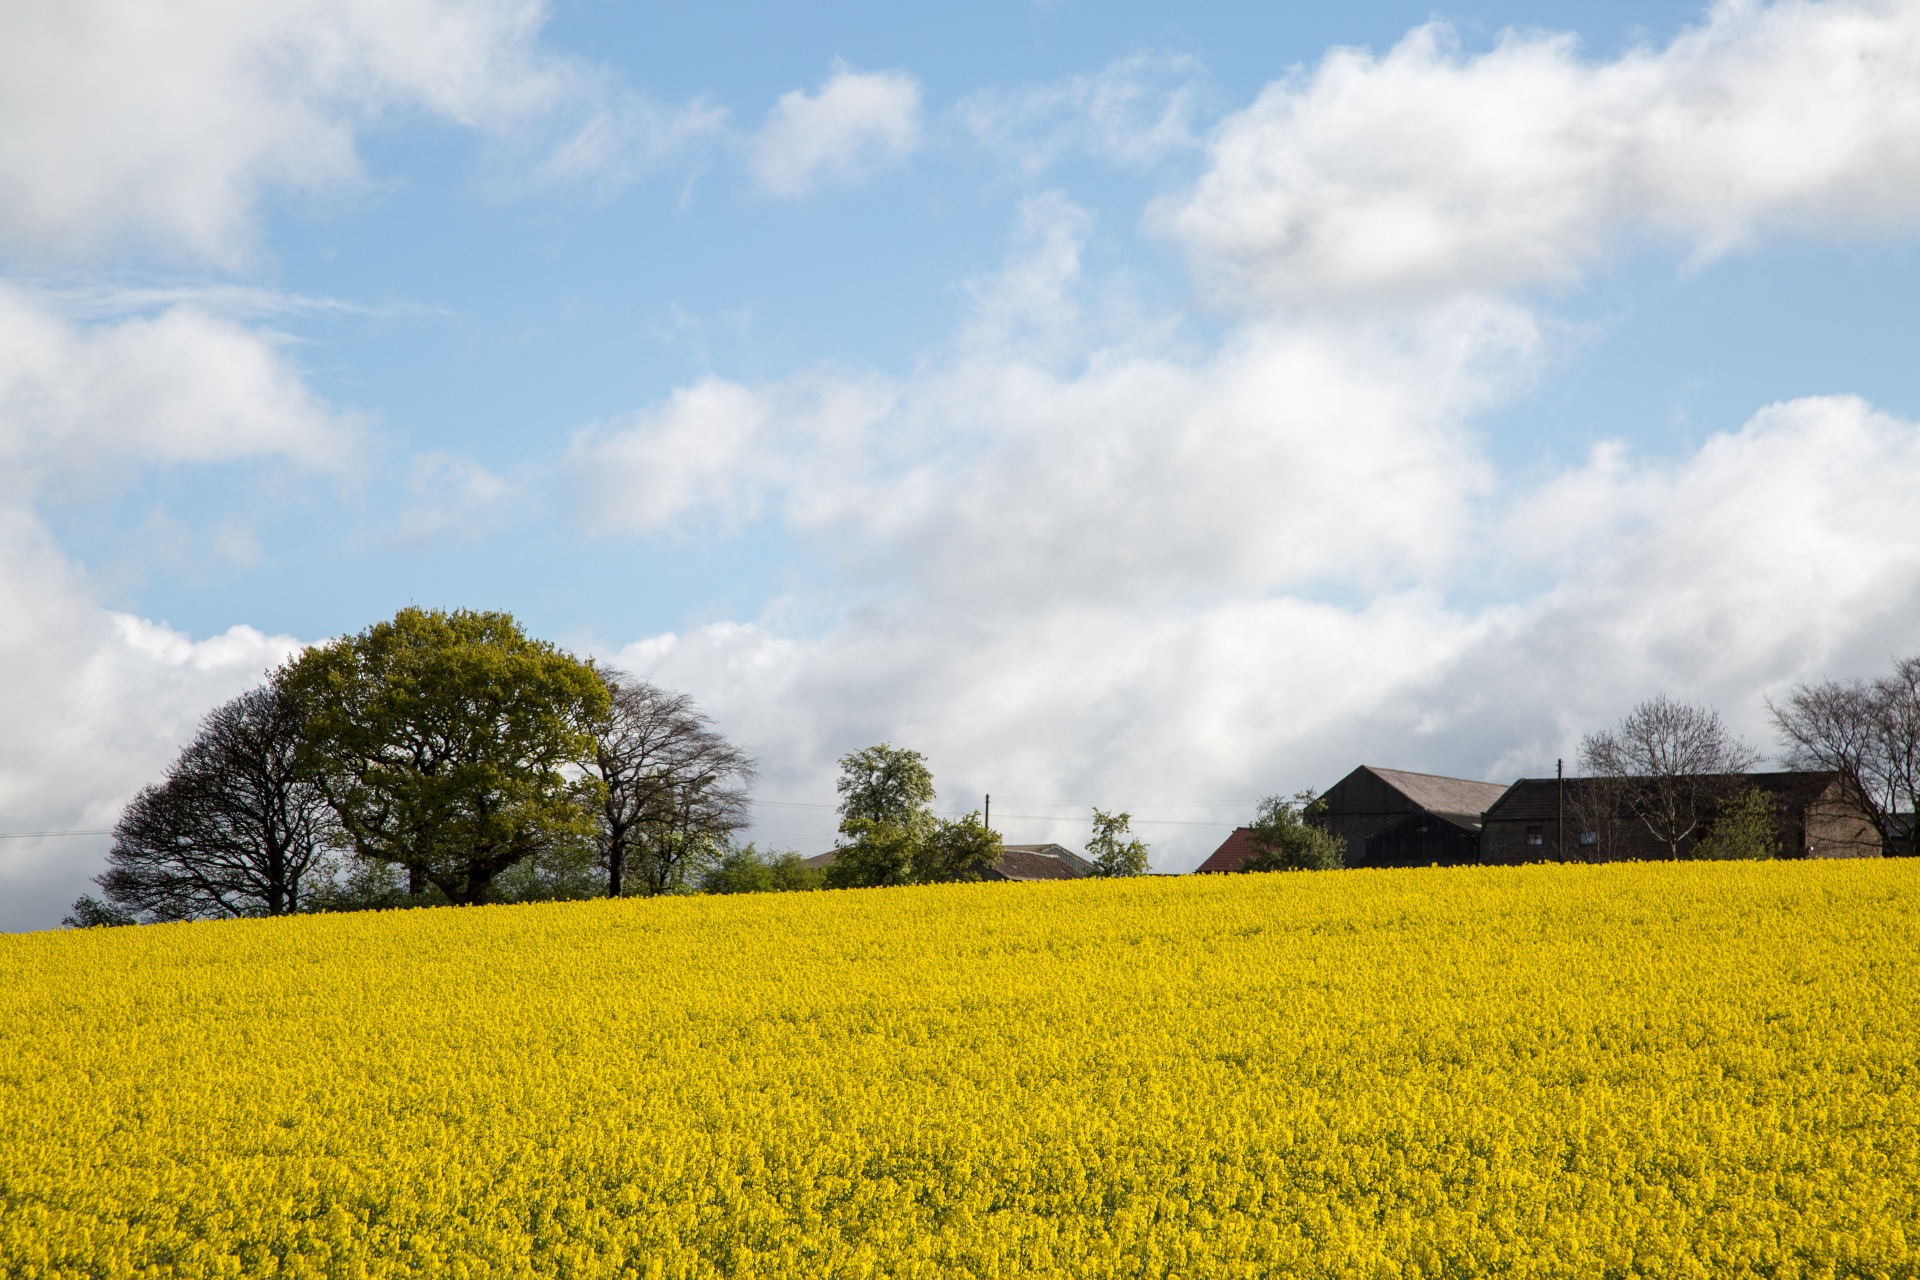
[
  {"x": 988, "y": 821},
  {"x": 1560, "y": 784}
]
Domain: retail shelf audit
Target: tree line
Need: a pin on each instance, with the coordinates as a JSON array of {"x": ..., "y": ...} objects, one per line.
[{"x": 448, "y": 758}]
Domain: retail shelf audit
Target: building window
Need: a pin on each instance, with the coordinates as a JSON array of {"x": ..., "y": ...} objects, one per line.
[
  {"x": 1589, "y": 837},
  {"x": 1536, "y": 836}
]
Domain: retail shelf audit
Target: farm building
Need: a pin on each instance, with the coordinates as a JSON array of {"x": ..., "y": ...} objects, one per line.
[
  {"x": 1583, "y": 820},
  {"x": 1391, "y": 818}
]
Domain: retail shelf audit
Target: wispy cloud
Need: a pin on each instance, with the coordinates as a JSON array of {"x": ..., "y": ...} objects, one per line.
[{"x": 858, "y": 122}]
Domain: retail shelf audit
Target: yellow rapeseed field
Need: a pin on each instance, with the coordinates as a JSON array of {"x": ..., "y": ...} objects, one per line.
[{"x": 1658, "y": 1070}]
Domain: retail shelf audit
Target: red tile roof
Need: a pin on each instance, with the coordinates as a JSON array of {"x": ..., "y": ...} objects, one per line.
[{"x": 1234, "y": 853}]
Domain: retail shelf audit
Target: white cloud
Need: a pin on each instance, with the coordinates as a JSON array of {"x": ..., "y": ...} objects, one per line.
[
  {"x": 131, "y": 126},
  {"x": 94, "y": 701},
  {"x": 1426, "y": 171},
  {"x": 452, "y": 496},
  {"x": 182, "y": 385},
  {"x": 1134, "y": 113},
  {"x": 858, "y": 122}
]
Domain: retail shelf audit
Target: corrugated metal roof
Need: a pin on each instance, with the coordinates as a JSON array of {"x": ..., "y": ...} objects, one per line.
[{"x": 1024, "y": 864}]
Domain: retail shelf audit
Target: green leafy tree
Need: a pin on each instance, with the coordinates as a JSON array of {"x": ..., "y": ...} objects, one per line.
[
  {"x": 886, "y": 784},
  {"x": 1110, "y": 850},
  {"x": 873, "y": 854},
  {"x": 1747, "y": 826},
  {"x": 956, "y": 850},
  {"x": 790, "y": 873},
  {"x": 451, "y": 744},
  {"x": 1286, "y": 839},
  {"x": 892, "y": 835},
  {"x": 747, "y": 870}
]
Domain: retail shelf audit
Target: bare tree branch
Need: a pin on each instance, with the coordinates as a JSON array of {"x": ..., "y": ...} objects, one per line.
[
  {"x": 675, "y": 788},
  {"x": 1670, "y": 765},
  {"x": 1868, "y": 732}
]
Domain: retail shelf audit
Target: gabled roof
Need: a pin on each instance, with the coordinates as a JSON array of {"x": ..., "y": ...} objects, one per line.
[
  {"x": 1235, "y": 852},
  {"x": 1453, "y": 798}
]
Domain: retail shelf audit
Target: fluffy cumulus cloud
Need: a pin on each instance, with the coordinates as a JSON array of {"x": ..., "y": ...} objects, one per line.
[
  {"x": 95, "y": 702},
  {"x": 179, "y": 385},
  {"x": 1425, "y": 171},
  {"x": 134, "y": 127},
  {"x": 858, "y": 122}
]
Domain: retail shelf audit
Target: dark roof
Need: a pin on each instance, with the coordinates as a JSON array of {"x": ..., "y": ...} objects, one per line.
[
  {"x": 1538, "y": 799},
  {"x": 1235, "y": 852},
  {"x": 1056, "y": 850},
  {"x": 1451, "y": 797},
  {"x": 1024, "y": 864},
  {"x": 821, "y": 861}
]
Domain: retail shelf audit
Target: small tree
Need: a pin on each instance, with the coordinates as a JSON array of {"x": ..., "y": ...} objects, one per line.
[
  {"x": 956, "y": 850},
  {"x": 1746, "y": 826},
  {"x": 451, "y": 744},
  {"x": 1868, "y": 732},
  {"x": 874, "y": 854},
  {"x": 747, "y": 870},
  {"x": 88, "y": 912},
  {"x": 235, "y": 828},
  {"x": 674, "y": 788},
  {"x": 1109, "y": 849},
  {"x": 1673, "y": 764},
  {"x": 1285, "y": 838}
]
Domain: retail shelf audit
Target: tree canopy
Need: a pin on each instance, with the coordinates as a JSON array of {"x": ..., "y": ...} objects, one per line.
[
  {"x": 234, "y": 829},
  {"x": 1285, "y": 837},
  {"x": 451, "y": 744},
  {"x": 1111, "y": 850},
  {"x": 886, "y": 784}
]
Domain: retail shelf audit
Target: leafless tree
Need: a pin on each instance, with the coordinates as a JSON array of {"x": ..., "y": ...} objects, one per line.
[
  {"x": 1673, "y": 764},
  {"x": 233, "y": 830},
  {"x": 1867, "y": 731},
  {"x": 675, "y": 788},
  {"x": 1599, "y": 819}
]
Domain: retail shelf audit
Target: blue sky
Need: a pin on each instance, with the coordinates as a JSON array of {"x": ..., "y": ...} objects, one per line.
[{"x": 1128, "y": 404}]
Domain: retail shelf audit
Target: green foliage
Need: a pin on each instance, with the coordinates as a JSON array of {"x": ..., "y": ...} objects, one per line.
[
  {"x": 956, "y": 850},
  {"x": 451, "y": 744},
  {"x": 1746, "y": 826},
  {"x": 887, "y": 785},
  {"x": 886, "y": 853},
  {"x": 747, "y": 870},
  {"x": 88, "y": 912},
  {"x": 1111, "y": 853},
  {"x": 1285, "y": 839},
  {"x": 877, "y": 853}
]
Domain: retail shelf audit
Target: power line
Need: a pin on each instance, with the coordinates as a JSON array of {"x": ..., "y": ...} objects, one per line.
[{"x": 41, "y": 835}]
